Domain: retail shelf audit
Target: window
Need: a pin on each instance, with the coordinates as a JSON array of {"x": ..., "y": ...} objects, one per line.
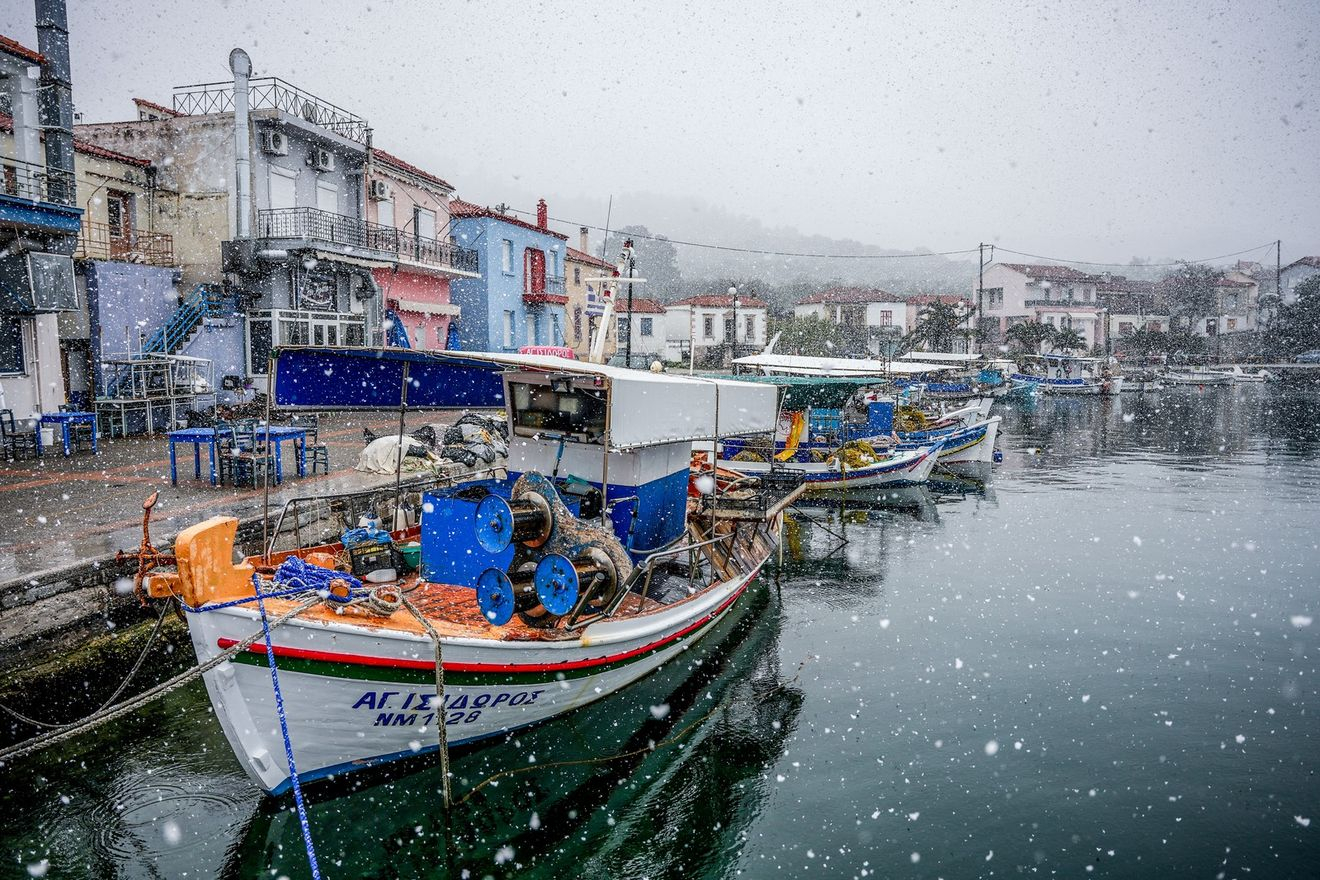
[
  {"x": 419, "y": 337},
  {"x": 1124, "y": 328},
  {"x": 537, "y": 338},
  {"x": 327, "y": 197},
  {"x": 1230, "y": 303},
  {"x": 708, "y": 327},
  {"x": 1211, "y": 326},
  {"x": 750, "y": 328},
  {"x": 577, "y": 274},
  {"x": 1049, "y": 319},
  {"x": 1153, "y": 325},
  {"x": 647, "y": 324},
  {"x": 556, "y": 332},
  {"x": 534, "y": 271},
  {"x": 508, "y": 328},
  {"x": 423, "y": 223},
  {"x": 119, "y": 214},
  {"x": 577, "y": 322},
  {"x": 385, "y": 212},
  {"x": 886, "y": 319},
  {"x": 283, "y": 188},
  {"x": 506, "y": 256},
  {"x": 11, "y": 345},
  {"x": 623, "y": 327},
  {"x": 1232, "y": 323}
]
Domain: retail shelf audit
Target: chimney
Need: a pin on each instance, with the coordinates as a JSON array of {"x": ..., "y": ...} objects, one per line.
[
  {"x": 542, "y": 215},
  {"x": 582, "y": 240},
  {"x": 56, "y": 100},
  {"x": 241, "y": 66}
]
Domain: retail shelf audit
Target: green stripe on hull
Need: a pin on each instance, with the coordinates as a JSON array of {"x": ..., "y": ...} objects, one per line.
[{"x": 362, "y": 672}]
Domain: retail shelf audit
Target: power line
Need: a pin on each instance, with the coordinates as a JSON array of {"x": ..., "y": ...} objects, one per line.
[
  {"x": 1131, "y": 265},
  {"x": 739, "y": 250}
]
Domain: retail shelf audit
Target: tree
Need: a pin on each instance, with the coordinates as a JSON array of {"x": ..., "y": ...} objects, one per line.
[
  {"x": 938, "y": 325},
  {"x": 1190, "y": 290},
  {"x": 1144, "y": 342},
  {"x": 1297, "y": 326},
  {"x": 808, "y": 336},
  {"x": 1029, "y": 335},
  {"x": 657, "y": 262},
  {"x": 1067, "y": 340}
]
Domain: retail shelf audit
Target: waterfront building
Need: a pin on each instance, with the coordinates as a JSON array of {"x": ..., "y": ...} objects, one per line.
[
  {"x": 586, "y": 301},
  {"x": 516, "y": 295},
  {"x": 873, "y": 316},
  {"x": 1294, "y": 274},
  {"x": 647, "y": 327},
  {"x": 1057, "y": 296},
  {"x": 409, "y": 207},
  {"x": 1128, "y": 305},
  {"x": 716, "y": 327},
  {"x": 281, "y": 185},
  {"x": 39, "y": 221}
]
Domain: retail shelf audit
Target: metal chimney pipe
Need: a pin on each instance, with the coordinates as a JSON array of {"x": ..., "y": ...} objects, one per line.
[
  {"x": 241, "y": 65},
  {"x": 56, "y": 100}
]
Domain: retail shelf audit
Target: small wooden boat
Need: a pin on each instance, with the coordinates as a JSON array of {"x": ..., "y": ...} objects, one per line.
[{"x": 1198, "y": 377}]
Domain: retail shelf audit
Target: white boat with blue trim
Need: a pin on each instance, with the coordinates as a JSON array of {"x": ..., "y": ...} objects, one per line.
[{"x": 1066, "y": 374}]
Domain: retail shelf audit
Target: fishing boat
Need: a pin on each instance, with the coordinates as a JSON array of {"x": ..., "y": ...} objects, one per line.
[
  {"x": 601, "y": 555},
  {"x": 836, "y": 474},
  {"x": 1197, "y": 376},
  {"x": 1240, "y": 376},
  {"x": 1065, "y": 374}
]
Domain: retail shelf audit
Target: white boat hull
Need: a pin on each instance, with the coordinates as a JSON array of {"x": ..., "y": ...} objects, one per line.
[
  {"x": 903, "y": 469},
  {"x": 356, "y": 695}
]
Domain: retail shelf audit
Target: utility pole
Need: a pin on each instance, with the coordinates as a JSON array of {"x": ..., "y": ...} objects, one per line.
[
  {"x": 1278, "y": 278},
  {"x": 980, "y": 285}
]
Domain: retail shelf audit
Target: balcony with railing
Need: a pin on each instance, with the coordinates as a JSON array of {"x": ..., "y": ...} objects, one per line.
[
  {"x": 27, "y": 191},
  {"x": 545, "y": 289},
  {"x": 100, "y": 241},
  {"x": 271, "y": 93},
  {"x": 312, "y": 227}
]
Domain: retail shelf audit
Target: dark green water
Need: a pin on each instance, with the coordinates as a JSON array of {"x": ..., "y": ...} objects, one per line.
[{"x": 1101, "y": 664}]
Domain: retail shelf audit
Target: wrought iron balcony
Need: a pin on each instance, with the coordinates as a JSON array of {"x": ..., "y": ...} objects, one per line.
[
  {"x": 97, "y": 241},
  {"x": 1063, "y": 303},
  {"x": 369, "y": 240},
  {"x": 271, "y": 93},
  {"x": 27, "y": 197}
]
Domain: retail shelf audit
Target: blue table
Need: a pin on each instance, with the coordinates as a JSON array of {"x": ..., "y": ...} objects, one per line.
[
  {"x": 198, "y": 437},
  {"x": 64, "y": 420}
]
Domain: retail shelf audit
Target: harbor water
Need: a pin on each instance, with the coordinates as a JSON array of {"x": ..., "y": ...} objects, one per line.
[{"x": 1101, "y": 662}]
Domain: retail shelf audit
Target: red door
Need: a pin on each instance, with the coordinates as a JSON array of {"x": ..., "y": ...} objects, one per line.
[{"x": 535, "y": 271}]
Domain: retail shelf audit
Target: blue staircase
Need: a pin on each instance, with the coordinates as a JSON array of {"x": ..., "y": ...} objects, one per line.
[{"x": 205, "y": 301}]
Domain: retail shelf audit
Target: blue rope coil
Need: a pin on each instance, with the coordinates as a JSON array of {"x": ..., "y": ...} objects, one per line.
[{"x": 294, "y": 571}]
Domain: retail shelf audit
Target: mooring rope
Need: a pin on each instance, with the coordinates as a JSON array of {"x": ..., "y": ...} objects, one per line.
[
  {"x": 155, "y": 630},
  {"x": 96, "y": 719},
  {"x": 439, "y": 695},
  {"x": 288, "y": 745}
]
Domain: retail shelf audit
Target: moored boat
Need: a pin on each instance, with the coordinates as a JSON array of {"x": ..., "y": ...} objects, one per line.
[{"x": 599, "y": 558}]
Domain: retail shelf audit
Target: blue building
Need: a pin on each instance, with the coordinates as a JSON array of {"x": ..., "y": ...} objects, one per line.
[{"x": 519, "y": 298}]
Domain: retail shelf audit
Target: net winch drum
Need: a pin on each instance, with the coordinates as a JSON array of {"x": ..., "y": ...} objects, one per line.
[
  {"x": 561, "y": 580},
  {"x": 539, "y": 596},
  {"x": 527, "y": 520}
]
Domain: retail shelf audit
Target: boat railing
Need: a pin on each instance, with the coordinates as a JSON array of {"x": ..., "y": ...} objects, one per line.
[{"x": 311, "y": 526}]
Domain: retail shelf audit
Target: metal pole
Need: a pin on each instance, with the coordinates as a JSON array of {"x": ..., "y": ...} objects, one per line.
[
  {"x": 265, "y": 467},
  {"x": 1278, "y": 277},
  {"x": 398, "y": 470},
  {"x": 628, "y": 249}
]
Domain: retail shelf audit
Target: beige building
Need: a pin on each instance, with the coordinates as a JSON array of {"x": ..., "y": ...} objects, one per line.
[{"x": 586, "y": 301}]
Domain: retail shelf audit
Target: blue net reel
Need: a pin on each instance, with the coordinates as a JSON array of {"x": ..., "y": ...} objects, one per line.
[
  {"x": 499, "y": 523},
  {"x": 557, "y": 583},
  {"x": 495, "y": 596}
]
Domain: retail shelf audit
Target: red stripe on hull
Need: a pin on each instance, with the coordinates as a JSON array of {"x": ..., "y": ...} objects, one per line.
[{"x": 491, "y": 668}]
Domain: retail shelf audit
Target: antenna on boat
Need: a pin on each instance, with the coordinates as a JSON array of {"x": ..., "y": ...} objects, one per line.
[{"x": 265, "y": 468}]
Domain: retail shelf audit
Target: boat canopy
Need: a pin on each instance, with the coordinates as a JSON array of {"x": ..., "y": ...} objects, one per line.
[
  {"x": 646, "y": 409},
  {"x": 821, "y": 392},
  {"x": 941, "y": 357},
  {"x": 804, "y": 365}
]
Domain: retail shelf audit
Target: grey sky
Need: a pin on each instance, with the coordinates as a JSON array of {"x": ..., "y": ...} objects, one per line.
[{"x": 1081, "y": 130}]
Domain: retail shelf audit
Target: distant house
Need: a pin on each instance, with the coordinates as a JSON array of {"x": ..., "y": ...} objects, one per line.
[
  {"x": 868, "y": 312},
  {"x": 1058, "y": 296},
  {"x": 1129, "y": 305},
  {"x": 586, "y": 301},
  {"x": 714, "y": 327},
  {"x": 517, "y": 297},
  {"x": 648, "y": 330},
  {"x": 1294, "y": 274}
]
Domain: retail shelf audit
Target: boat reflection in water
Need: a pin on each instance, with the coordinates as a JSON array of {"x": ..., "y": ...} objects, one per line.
[{"x": 692, "y": 740}]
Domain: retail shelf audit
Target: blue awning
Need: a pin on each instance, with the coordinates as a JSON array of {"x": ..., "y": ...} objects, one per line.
[{"x": 369, "y": 378}]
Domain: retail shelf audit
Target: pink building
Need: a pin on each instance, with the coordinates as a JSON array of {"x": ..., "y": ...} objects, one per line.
[{"x": 411, "y": 207}]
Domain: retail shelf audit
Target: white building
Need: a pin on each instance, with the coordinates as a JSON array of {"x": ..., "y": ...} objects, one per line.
[
  {"x": 1061, "y": 297},
  {"x": 713, "y": 326},
  {"x": 1294, "y": 274},
  {"x": 868, "y": 312},
  {"x": 648, "y": 331}
]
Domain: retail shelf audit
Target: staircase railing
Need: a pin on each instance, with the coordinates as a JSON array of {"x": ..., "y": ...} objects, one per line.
[{"x": 202, "y": 302}]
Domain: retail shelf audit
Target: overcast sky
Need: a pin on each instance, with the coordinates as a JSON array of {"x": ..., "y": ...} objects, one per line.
[{"x": 1088, "y": 130}]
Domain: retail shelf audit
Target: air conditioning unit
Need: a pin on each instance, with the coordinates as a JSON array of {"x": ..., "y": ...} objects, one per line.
[
  {"x": 380, "y": 190},
  {"x": 276, "y": 143},
  {"x": 322, "y": 159}
]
